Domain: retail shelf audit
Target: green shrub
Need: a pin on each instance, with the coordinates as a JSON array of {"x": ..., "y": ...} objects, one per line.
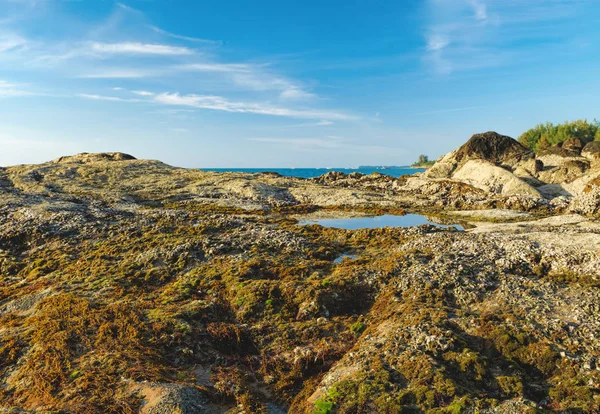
[{"x": 545, "y": 135}]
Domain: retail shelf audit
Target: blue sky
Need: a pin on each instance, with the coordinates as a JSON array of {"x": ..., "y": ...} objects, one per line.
[{"x": 262, "y": 83}]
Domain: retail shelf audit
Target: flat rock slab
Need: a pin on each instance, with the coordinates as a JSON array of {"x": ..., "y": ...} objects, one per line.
[{"x": 495, "y": 214}]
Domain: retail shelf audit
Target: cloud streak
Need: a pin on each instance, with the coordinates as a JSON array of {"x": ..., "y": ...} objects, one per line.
[
  {"x": 143, "y": 93},
  {"x": 125, "y": 46},
  {"x": 254, "y": 78},
  {"x": 476, "y": 34},
  {"x": 111, "y": 73},
  {"x": 106, "y": 98},
  {"x": 215, "y": 67},
  {"x": 220, "y": 103},
  {"x": 10, "y": 42},
  {"x": 187, "y": 38},
  {"x": 9, "y": 90},
  {"x": 138, "y": 48}
]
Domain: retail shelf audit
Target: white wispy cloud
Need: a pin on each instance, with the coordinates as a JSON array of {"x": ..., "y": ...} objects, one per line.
[
  {"x": 260, "y": 80},
  {"x": 437, "y": 41},
  {"x": 216, "y": 67},
  {"x": 8, "y": 89},
  {"x": 141, "y": 49},
  {"x": 180, "y": 37},
  {"x": 480, "y": 10},
  {"x": 10, "y": 41},
  {"x": 294, "y": 94},
  {"x": 106, "y": 98},
  {"x": 112, "y": 73},
  {"x": 323, "y": 122},
  {"x": 477, "y": 34},
  {"x": 152, "y": 53},
  {"x": 220, "y": 103},
  {"x": 127, "y": 8},
  {"x": 253, "y": 77}
]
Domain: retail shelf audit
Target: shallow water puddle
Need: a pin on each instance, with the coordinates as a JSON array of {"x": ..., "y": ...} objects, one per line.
[
  {"x": 345, "y": 256},
  {"x": 376, "y": 222}
]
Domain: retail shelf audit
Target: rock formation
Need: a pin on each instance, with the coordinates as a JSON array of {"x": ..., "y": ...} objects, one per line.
[
  {"x": 491, "y": 147},
  {"x": 85, "y": 157},
  {"x": 500, "y": 165}
]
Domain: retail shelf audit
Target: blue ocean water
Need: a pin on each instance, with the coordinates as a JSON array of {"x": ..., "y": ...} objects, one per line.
[{"x": 315, "y": 172}]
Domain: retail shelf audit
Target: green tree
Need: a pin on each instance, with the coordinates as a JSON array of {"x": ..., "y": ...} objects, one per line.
[
  {"x": 544, "y": 135},
  {"x": 423, "y": 161}
]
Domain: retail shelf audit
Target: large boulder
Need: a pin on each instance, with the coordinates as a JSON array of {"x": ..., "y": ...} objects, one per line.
[
  {"x": 564, "y": 152},
  {"x": 566, "y": 172},
  {"x": 591, "y": 151},
  {"x": 494, "y": 179},
  {"x": 587, "y": 202},
  {"x": 573, "y": 145},
  {"x": 492, "y": 147}
]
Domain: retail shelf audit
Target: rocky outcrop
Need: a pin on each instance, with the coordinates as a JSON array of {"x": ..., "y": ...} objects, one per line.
[
  {"x": 500, "y": 165},
  {"x": 491, "y": 147},
  {"x": 573, "y": 146},
  {"x": 493, "y": 179},
  {"x": 566, "y": 172},
  {"x": 570, "y": 148},
  {"x": 591, "y": 151},
  {"x": 487, "y": 161},
  {"x": 85, "y": 157}
]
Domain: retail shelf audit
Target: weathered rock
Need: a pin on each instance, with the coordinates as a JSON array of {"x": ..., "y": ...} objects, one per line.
[
  {"x": 492, "y": 147},
  {"x": 493, "y": 179},
  {"x": 175, "y": 399},
  {"x": 532, "y": 166},
  {"x": 588, "y": 202},
  {"x": 573, "y": 145},
  {"x": 330, "y": 176},
  {"x": 85, "y": 157},
  {"x": 592, "y": 152},
  {"x": 355, "y": 175},
  {"x": 557, "y": 150},
  {"x": 568, "y": 171}
]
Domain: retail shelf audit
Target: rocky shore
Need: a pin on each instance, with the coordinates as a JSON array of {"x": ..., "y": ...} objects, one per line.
[{"x": 133, "y": 286}]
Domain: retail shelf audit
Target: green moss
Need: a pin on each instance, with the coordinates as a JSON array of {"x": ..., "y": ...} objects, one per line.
[
  {"x": 468, "y": 363},
  {"x": 457, "y": 406},
  {"x": 510, "y": 386},
  {"x": 358, "y": 328},
  {"x": 566, "y": 277},
  {"x": 325, "y": 404}
]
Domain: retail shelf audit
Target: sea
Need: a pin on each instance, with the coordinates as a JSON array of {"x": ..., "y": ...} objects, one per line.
[{"x": 393, "y": 171}]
